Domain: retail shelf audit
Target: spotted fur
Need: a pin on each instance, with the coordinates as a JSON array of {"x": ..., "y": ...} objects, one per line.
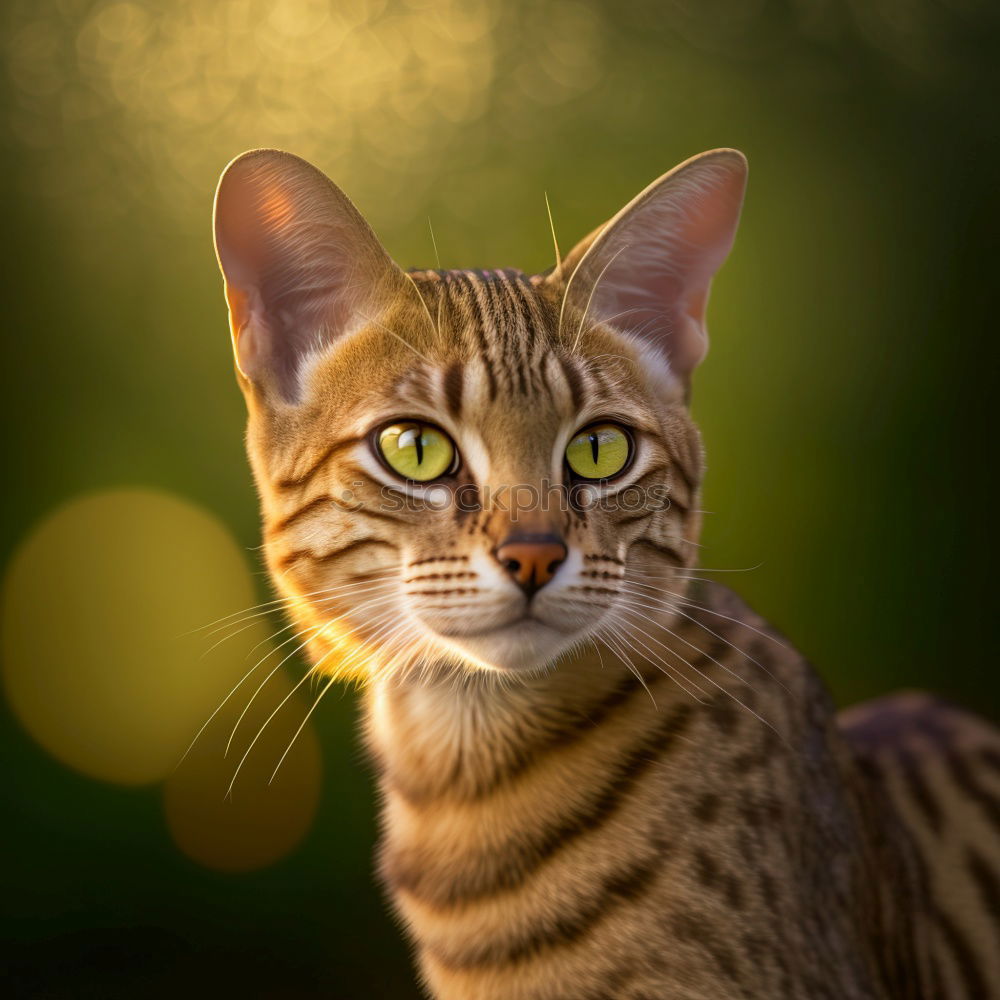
[{"x": 626, "y": 785}]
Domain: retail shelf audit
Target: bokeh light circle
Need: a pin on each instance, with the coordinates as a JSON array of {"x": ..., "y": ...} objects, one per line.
[
  {"x": 103, "y": 659},
  {"x": 248, "y": 808}
]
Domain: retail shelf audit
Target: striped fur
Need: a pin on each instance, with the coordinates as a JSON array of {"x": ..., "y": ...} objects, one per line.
[{"x": 645, "y": 792}]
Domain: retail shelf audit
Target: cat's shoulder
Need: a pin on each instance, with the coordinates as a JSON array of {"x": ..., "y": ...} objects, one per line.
[{"x": 917, "y": 724}]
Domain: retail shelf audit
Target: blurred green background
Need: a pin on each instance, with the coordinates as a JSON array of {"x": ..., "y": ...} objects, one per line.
[{"x": 847, "y": 402}]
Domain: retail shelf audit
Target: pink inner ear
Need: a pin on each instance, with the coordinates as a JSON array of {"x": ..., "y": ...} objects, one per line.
[
  {"x": 249, "y": 340},
  {"x": 301, "y": 265},
  {"x": 649, "y": 271}
]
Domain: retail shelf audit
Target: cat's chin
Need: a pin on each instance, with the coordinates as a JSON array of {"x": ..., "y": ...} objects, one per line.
[{"x": 526, "y": 645}]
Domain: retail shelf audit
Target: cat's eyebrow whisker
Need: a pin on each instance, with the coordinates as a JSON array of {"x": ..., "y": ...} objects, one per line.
[
  {"x": 434, "y": 242},
  {"x": 435, "y": 328},
  {"x": 611, "y": 319},
  {"x": 552, "y": 227},
  {"x": 392, "y": 333},
  {"x": 593, "y": 288},
  {"x": 643, "y": 328},
  {"x": 617, "y": 357}
]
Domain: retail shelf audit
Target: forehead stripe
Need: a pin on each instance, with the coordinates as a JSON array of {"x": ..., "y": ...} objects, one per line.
[
  {"x": 521, "y": 329},
  {"x": 463, "y": 297},
  {"x": 491, "y": 378},
  {"x": 573, "y": 381},
  {"x": 509, "y": 330},
  {"x": 531, "y": 315},
  {"x": 543, "y": 374},
  {"x": 532, "y": 322},
  {"x": 489, "y": 329},
  {"x": 502, "y": 318},
  {"x": 454, "y": 382}
]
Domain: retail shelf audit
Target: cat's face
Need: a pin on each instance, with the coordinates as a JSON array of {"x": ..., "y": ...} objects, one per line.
[{"x": 467, "y": 469}]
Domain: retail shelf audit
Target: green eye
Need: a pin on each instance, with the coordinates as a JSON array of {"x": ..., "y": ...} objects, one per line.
[
  {"x": 416, "y": 451},
  {"x": 599, "y": 452}
]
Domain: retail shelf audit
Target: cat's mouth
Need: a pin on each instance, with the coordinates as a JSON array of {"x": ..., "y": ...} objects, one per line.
[
  {"x": 524, "y": 642},
  {"x": 527, "y": 616}
]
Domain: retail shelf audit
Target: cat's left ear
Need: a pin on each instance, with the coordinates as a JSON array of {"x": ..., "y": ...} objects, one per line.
[
  {"x": 302, "y": 267},
  {"x": 647, "y": 272}
]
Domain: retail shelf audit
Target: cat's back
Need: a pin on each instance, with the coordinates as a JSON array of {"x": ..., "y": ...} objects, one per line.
[{"x": 940, "y": 766}]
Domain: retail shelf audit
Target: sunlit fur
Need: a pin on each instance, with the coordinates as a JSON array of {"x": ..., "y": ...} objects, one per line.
[
  {"x": 511, "y": 416},
  {"x": 642, "y": 791}
]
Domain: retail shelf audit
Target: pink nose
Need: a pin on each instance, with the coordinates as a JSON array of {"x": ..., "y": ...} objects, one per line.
[{"x": 531, "y": 560}]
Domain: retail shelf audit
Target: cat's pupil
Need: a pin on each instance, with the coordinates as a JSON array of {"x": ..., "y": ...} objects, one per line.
[
  {"x": 413, "y": 438},
  {"x": 595, "y": 445}
]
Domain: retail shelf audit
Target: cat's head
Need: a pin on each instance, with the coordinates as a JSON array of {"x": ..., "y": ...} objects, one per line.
[{"x": 478, "y": 469}]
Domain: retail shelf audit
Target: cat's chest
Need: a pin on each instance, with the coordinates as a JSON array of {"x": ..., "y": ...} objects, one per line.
[{"x": 669, "y": 839}]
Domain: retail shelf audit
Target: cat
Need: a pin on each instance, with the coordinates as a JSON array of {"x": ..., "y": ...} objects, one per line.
[{"x": 601, "y": 776}]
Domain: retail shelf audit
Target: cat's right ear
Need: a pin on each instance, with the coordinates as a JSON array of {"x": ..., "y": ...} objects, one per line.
[
  {"x": 301, "y": 266},
  {"x": 648, "y": 271}
]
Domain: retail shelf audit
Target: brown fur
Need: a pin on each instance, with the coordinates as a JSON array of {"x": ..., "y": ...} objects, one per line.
[{"x": 664, "y": 804}]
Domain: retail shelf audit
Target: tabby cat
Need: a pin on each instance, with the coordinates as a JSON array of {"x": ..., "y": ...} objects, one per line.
[{"x": 601, "y": 777}]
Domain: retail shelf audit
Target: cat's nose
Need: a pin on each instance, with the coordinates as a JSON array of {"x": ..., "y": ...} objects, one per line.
[{"x": 531, "y": 560}]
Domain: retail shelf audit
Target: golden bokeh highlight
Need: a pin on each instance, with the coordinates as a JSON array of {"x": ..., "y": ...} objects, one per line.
[
  {"x": 383, "y": 87},
  {"x": 223, "y": 809},
  {"x": 105, "y": 662}
]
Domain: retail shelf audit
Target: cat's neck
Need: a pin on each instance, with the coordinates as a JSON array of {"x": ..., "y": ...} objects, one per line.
[
  {"x": 463, "y": 738},
  {"x": 505, "y": 802}
]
